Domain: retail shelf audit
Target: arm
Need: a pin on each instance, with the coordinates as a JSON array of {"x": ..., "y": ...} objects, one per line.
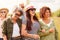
[
  {"x": 44, "y": 33},
  {"x": 5, "y": 37},
  {"x": 24, "y": 33},
  {"x": 4, "y": 27},
  {"x": 42, "y": 29},
  {"x": 56, "y": 32}
]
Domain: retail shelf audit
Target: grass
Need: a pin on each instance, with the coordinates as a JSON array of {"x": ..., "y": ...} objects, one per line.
[{"x": 57, "y": 24}]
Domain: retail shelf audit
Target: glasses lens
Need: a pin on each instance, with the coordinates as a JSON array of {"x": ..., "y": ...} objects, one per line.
[
  {"x": 17, "y": 14},
  {"x": 33, "y": 9},
  {"x": 3, "y": 12}
]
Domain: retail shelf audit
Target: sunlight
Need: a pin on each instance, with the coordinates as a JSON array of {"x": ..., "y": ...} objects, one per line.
[{"x": 54, "y": 5}]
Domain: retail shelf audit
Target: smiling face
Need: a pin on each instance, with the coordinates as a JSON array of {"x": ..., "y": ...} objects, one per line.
[
  {"x": 16, "y": 14},
  {"x": 47, "y": 14},
  {"x": 32, "y": 12},
  {"x": 3, "y": 13}
]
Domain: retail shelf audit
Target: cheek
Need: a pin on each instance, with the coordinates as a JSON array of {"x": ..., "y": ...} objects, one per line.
[
  {"x": 3, "y": 14},
  {"x": 46, "y": 13},
  {"x": 16, "y": 17},
  {"x": 0, "y": 14},
  {"x": 32, "y": 13}
]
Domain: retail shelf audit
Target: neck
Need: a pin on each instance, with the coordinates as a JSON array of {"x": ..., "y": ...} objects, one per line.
[
  {"x": 13, "y": 20},
  {"x": 31, "y": 17},
  {"x": 46, "y": 18},
  {"x": 2, "y": 18}
]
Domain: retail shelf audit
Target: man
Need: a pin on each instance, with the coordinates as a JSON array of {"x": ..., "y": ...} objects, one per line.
[
  {"x": 22, "y": 7},
  {"x": 12, "y": 26}
]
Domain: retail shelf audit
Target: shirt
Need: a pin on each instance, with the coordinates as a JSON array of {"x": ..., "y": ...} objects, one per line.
[
  {"x": 15, "y": 30},
  {"x": 1, "y": 21}
]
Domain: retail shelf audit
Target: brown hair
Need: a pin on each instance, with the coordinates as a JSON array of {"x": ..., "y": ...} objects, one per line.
[
  {"x": 19, "y": 10},
  {"x": 29, "y": 22},
  {"x": 43, "y": 10}
]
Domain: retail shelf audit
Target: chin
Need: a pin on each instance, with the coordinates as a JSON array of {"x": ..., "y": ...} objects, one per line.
[{"x": 33, "y": 14}]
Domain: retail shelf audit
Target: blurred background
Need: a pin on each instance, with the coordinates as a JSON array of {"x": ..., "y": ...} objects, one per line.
[{"x": 53, "y": 4}]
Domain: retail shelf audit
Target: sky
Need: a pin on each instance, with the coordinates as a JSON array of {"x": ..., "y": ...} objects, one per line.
[
  {"x": 53, "y": 4},
  {"x": 10, "y": 4}
]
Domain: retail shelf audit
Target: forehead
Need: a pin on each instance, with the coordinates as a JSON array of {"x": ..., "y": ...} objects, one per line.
[
  {"x": 17, "y": 12},
  {"x": 47, "y": 10}
]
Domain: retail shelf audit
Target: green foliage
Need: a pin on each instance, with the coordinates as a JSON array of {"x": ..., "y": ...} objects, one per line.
[
  {"x": 56, "y": 13},
  {"x": 38, "y": 15}
]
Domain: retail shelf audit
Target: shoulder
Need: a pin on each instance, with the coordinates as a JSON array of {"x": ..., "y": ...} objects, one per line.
[
  {"x": 19, "y": 20},
  {"x": 6, "y": 20},
  {"x": 40, "y": 20},
  {"x": 37, "y": 22},
  {"x": 52, "y": 21}
]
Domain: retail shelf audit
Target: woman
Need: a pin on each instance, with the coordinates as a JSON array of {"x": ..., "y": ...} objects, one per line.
[
  {"x": 3, "y": 15},
  {"x": 12, "y": 26},
  {"x": 48, "y": 30},
  {"x": 31, "y": 26}
]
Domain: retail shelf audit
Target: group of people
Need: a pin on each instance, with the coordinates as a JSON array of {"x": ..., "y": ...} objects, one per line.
[{"x": 24, "y": 24}]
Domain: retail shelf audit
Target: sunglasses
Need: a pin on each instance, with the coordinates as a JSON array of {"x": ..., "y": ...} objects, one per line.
[
  {"x": 17, "y": 14},
  {"x": 33, "y": 9},
  {"x": 3, "y": 12}
]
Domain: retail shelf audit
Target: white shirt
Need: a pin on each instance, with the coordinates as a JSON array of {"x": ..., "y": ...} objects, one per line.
[
  {"x": 48, "y": 23},
  {"x": 15, "y": 30}
]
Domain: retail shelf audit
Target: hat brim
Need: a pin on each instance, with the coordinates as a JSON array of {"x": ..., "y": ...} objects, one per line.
[{"x": 31, "y": 9}]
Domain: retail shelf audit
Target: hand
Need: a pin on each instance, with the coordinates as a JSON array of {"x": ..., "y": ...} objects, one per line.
[
  {"x": 36, "y": 36},
  {"x": 43, "y": 30},
  {"x": 4, "y": 38},
  {"x": 51, "y": 30}
]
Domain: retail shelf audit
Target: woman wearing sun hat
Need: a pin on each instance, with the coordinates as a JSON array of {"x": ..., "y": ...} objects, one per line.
[
  {"x": 3, "y": 15},
  {"x": 31, "y": 26}
]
